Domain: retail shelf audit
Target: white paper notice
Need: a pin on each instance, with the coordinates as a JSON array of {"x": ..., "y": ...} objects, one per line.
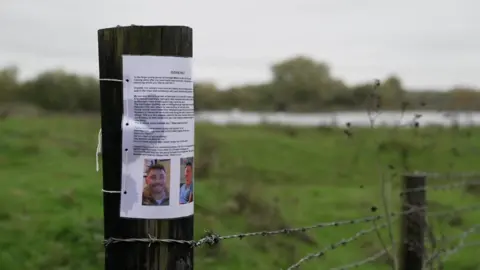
[{"x": 158, "y": 137}]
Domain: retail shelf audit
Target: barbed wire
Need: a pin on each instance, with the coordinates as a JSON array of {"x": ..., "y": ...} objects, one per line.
[
  {"x": 212, "y": 238},
  {"x": 448, "y": 240},
  {"x": 456, "y": 210},
  {"x": 363, "y": 232},
  {"x": 456, "y": 249},
  {"x": 364, "y": 261},
  {"x": 334, "y": 246},
  {"x": 463, "y": 235},
  {"x": 447, "y": 175},
  {"x": 384, "y": 251},
  {"x": 442, "y": 187},
  {"x": 369, "y": 259}
]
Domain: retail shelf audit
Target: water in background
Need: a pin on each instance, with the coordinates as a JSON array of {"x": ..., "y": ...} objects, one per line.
[{"x": 341, "y": 118}]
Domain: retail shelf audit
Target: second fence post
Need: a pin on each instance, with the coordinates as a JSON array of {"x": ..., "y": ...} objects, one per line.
[
  {"x": 128, "y": 252},
  {"x": 413, "y": 223}
]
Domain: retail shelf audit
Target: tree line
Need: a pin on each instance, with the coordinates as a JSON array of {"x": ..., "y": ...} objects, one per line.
[{"x": 298, "y": 84}]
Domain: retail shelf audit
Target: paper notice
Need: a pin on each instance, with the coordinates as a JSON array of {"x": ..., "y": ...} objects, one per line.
[{"x": 158, "y": 137}]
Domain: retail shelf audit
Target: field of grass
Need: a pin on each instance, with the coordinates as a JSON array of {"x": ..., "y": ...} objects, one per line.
[{"x": 248, "y": 179}]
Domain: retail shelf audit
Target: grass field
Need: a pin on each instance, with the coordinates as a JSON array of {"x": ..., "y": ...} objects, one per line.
[{"x": 248, "y": 179}]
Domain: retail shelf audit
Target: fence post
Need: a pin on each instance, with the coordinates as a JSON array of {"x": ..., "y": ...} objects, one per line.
[
  {"x": 112, "y": 44},
  {"x": 413, "y": 224}
]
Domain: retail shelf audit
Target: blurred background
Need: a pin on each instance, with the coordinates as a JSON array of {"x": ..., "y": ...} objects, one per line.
[{"x": 291, "y": 127}]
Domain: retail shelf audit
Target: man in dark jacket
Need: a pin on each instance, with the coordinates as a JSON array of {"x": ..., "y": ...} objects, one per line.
[{"x": 156, "y": 192}]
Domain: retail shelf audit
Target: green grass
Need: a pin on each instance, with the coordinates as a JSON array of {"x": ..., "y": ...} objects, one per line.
[{"x": 249, "y": 179}]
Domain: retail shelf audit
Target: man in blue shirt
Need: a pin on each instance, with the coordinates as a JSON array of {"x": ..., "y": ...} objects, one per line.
[{"x": 186, "y": 190}]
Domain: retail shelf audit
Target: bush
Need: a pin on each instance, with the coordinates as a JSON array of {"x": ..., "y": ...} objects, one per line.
[{"x": 61, "y": 91}]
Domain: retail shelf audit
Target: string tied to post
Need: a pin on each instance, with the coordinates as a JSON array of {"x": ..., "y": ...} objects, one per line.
[
  {"x": 99, "y": 139},
  {"x": 99, "y": 147},
  {"x": 99, "y": 150}
]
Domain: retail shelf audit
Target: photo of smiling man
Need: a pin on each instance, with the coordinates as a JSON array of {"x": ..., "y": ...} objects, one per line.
[
  {"x": 157, "y": 183},
  {"x": 186, "y": 183}
]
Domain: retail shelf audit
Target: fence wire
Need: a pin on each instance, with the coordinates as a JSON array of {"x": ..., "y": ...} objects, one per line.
[
  {"x": 363, "y": 232},
  {"x": 364, "y": 261},
  {"x": 442, "y": 254},
  {"x": 212, "y": 238},
  {"x": 442, "y": 187},
  {"x": 334, "y": 246}
]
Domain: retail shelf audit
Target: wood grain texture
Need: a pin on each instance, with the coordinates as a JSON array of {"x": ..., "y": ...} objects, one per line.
[{"x": 112, "y": 44}]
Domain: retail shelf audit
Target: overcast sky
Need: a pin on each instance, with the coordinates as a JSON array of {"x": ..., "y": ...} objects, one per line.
[{"x": 428, "y": 43}]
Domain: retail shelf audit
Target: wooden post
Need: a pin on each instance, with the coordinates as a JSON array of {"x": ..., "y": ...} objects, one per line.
[
  {"x": 413, "y": 224},
  {"x": 112, "y": 44}
]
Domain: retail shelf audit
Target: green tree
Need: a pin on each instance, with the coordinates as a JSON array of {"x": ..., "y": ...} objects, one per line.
[
  {"x": 301, "y": 82},
  {"x": 463, "y": 98},
  {"x": 58, "y": 90},
  {"x": 9, "y": 84},
  {"x": 205, "y": 95},
  {"x": 298, "y": 84},
  {"x": 392, "y": 93}
]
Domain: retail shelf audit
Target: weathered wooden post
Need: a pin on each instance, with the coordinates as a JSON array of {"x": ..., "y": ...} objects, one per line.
[
  {"x": 147, "y": 119},
  {"x": 413, "y": 224}
]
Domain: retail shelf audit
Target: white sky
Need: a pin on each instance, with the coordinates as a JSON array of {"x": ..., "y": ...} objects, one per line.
[{"x": 427, "y": 43}]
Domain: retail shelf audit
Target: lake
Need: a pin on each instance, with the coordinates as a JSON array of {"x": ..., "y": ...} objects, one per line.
[{"x": 424, "y": 118}]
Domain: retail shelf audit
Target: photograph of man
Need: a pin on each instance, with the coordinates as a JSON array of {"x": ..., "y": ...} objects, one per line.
[
  {"x": 156, "y": 190},
  {"x": 186, "y": 186}
]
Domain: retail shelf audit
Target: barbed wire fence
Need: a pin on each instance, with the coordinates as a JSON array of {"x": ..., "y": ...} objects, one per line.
[
  {"x": 442, "y": 248},
  {"x": 436, "y": 247}
]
